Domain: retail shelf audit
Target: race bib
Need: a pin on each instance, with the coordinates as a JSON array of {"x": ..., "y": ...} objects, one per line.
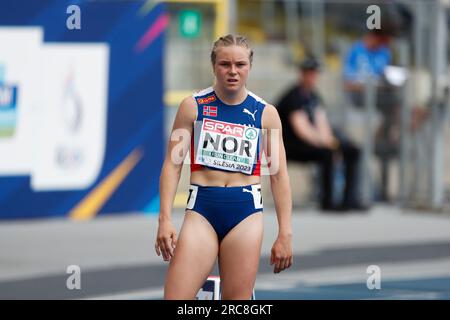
[{"x": 227, "y": 146}]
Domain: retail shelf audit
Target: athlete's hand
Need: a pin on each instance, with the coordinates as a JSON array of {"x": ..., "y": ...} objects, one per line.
[
  {"x": 281, "y": 255},
  {"x": 166, "y": 240}
]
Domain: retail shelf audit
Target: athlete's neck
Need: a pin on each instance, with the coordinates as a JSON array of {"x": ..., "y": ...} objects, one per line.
[{"x": 231, "y": 98}]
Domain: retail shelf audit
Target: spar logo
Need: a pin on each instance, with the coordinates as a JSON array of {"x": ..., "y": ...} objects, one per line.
[
  {"x": 231, "y": 129},
  {"x": 208, "y": 99}
]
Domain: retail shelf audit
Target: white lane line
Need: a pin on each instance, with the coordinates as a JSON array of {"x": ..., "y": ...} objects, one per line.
[{"x": 354, "y": 274}]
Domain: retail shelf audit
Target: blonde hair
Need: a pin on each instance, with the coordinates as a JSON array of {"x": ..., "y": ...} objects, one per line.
[{"x": 230, "y": 40}]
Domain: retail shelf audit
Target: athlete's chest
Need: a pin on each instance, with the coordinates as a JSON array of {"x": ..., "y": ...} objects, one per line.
[{"x": 246, "y": 114}]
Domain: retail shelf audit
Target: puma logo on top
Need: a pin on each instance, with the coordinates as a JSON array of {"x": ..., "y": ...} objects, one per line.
[{"x": 248, "y": 112}]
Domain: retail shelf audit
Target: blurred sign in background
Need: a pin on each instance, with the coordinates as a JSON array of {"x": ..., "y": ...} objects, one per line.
[
  {"x": 81, "y": 110},
  {"x": 190, "y": 23}
]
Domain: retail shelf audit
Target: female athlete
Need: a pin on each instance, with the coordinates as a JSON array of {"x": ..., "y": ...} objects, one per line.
[{"x": 223, "y": 126}]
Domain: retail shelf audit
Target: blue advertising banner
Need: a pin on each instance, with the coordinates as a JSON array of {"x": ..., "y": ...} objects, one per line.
[{"x": 81, "y": 107}]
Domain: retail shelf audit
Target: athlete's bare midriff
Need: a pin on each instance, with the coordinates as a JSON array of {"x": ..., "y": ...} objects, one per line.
[{"x": 217, "y": 178}]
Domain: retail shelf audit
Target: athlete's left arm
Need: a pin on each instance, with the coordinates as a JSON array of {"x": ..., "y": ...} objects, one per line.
[{"x": 281, "y": 255}]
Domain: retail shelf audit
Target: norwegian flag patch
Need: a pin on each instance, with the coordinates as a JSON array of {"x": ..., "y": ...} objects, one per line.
[{"x": 210, "y": 111}]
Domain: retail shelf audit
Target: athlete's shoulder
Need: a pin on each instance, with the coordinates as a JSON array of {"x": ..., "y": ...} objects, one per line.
[
  {"x": 188, "y": 108},
  {"x": 203, "y": 92},
  {"x": 188, "y": 102},
  {"x": 270, "y": 109},
  {"x": 270, "y": 117},
  {"x": 205, "y": 96}
]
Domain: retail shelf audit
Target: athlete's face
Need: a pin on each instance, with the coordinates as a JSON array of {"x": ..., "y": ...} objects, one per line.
[{"x": 232, "y": 67}]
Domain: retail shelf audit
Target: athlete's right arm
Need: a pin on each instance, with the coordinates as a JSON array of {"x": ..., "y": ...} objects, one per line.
[{"x": 170, "y": 175}]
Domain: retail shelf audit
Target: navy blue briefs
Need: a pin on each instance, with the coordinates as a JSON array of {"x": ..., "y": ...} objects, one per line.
[{"x": 225, "y": 207}]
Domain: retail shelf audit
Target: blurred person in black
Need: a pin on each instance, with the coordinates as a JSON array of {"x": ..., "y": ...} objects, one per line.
[{"x": 308, "y": 137}]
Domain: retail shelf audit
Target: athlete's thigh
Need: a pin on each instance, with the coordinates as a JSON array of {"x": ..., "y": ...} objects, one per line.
[
  {"x": 194, "y": 258},
  {"x": 239, "y": 255}
]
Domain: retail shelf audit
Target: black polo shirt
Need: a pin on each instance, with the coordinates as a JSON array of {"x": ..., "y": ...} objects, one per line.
[{"x": 295, "y": 99}]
